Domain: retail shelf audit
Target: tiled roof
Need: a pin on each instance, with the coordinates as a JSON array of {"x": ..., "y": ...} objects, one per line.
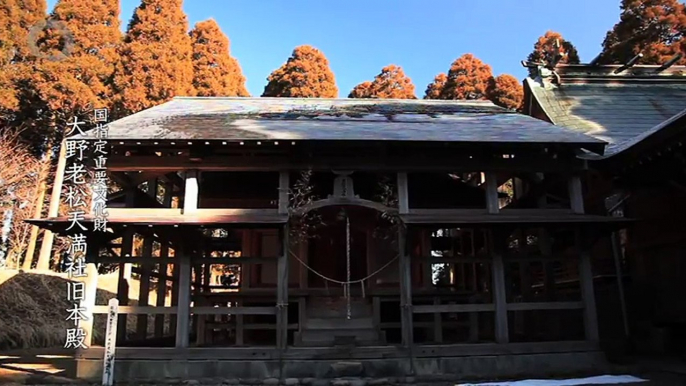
[
  {"x": 620, "y": 109},
  {"x": 235, "y": 119}
]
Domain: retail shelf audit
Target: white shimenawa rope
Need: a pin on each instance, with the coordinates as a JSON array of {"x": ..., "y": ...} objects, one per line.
[
  {"x": 343, "y": 282},
  {"x": 346, "y": 284}
]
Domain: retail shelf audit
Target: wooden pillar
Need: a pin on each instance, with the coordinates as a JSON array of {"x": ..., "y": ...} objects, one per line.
[
  {"x": 43, "y": 263},
  {"x": 282, "y": 294},
  {"x": 184, "y": 306},
  {"x": 547, "y": 253},
  {"x": 284, "y": 186},
  {"x": 403, "y": 199},
  {"x": 499, "y": 292},
  {"x": 282, "y": 269},
  {"x": 163, "y": 269},
  {"x": 144, "y": 289},
  {"x": 161, "y": 288},
  {"x": 427, "y": 267},
  {"x": 405, "y": 291},
  {"x": 123, "y": 283},
  {"x": 576, "y": 198},
  {"x": 585, "y": 269},
  {"x": 405, "y": 267},
  {"x": 587, "y": 292},
  {"x": 492, "y": 203},
  {"x": 190, "y": 204},
  {"x": 176, "y": 269},
  {"x": 152, "y": 188},
  {"x": 190, "y": 199}
]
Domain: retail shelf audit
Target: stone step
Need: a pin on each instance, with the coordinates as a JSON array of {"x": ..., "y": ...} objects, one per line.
[
  {"x": 339, "y": 323},
  {"x": 328, "y": 336}
]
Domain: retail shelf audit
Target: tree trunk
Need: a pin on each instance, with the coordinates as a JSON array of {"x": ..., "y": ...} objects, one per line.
[
  {"x": 53, "y": 209},
  {"x": 38, "y": 209}
]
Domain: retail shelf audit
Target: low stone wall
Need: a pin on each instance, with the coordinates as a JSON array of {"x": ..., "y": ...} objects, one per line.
[{"x": 344, "y": 373}]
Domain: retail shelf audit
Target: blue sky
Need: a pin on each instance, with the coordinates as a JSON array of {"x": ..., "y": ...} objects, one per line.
[{"x": 359, "y": 37}]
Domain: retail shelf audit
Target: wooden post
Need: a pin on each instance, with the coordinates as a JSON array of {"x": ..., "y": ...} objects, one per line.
[
  {"x": 190, "y": 204},
  {"x": 492, "y": 203},
  {"x": 587, "y": 292},
  {"x": 184, "y": 306},
  {"x": 546, "y": 250},
  {"x": 110, "y": 343},
  {"x": 123, "y": 283},
  {"x": 144, "y": 289},
  {"x": 403, "y": 198},
  {"x": 438, "y": 323},
  {"x": 282, "y": 294},
  {"x": 53, "y": 210},
  {"x": 163, "y": 269},
  {"x": 499, "y": 292},
  {"x": 585, "y": 269},
  {"x": 246, "y": 250},
  {"x": 576, "y": 198},
  {"x": 282, "y": 268},
  {"x": 190, "y": 200},
  {"x": 240, "y": 331},
  {"x": 284, "y": 186},
  {"x": 405, "y": 295},
  {"x": 405, "y": 267},
  {"x": 176, "y": 269},
  {"x": 161, "y": 288}
]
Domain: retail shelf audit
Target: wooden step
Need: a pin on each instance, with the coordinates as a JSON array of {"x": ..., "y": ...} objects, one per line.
[
  {"x": 328, "y": 336},
  {"x": 338, "y": 309},
  {"x": 339, "y": 323}
]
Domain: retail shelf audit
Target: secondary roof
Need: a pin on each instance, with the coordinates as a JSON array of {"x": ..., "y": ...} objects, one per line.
[{"x": 620, "y": 108}]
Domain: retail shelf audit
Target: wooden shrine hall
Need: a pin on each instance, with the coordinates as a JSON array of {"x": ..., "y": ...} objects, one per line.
[{"x": 281, "y": 236}]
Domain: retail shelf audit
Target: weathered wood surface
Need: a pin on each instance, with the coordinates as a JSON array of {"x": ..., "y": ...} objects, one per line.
[
  {"x": 197, "y": 310},
  {"x": 452, "y": 164},
  {"x": 450, "y": 308},
  {"x": 110, "y": 343},
  {"x": 282, "y": 294},
  {"x": 512, "y": 216},
  {"x": 172, "y": 217},
  {"x": 183, "y": 308},
  {"x": 371, "y": 352}
]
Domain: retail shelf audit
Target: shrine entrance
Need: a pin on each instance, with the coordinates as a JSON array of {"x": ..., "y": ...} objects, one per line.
[
  {"x": 341, "y": 261},
  {"x": 328, "y": 251}
]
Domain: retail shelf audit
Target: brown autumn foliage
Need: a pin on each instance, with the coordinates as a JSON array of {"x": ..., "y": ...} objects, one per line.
[
  {"x": 156, "y": 57},
  {"x": 507, "y": 91},
  {"x": 306, "y": 74},
  {"x": 546, "y": 45},
  {"x": 655, "y": 28},
  {"x": 468, "y": 78},
  {"x": 16, "y": 19},
  {"x": 81, "y": 80},
  {"x": 362, "y": 90},
  {"x": 433, "y": 90},
  {"x": 215, "y": 72},
  {"x": 391, "y": 83},
  {"x": 18, "y": 179}
]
